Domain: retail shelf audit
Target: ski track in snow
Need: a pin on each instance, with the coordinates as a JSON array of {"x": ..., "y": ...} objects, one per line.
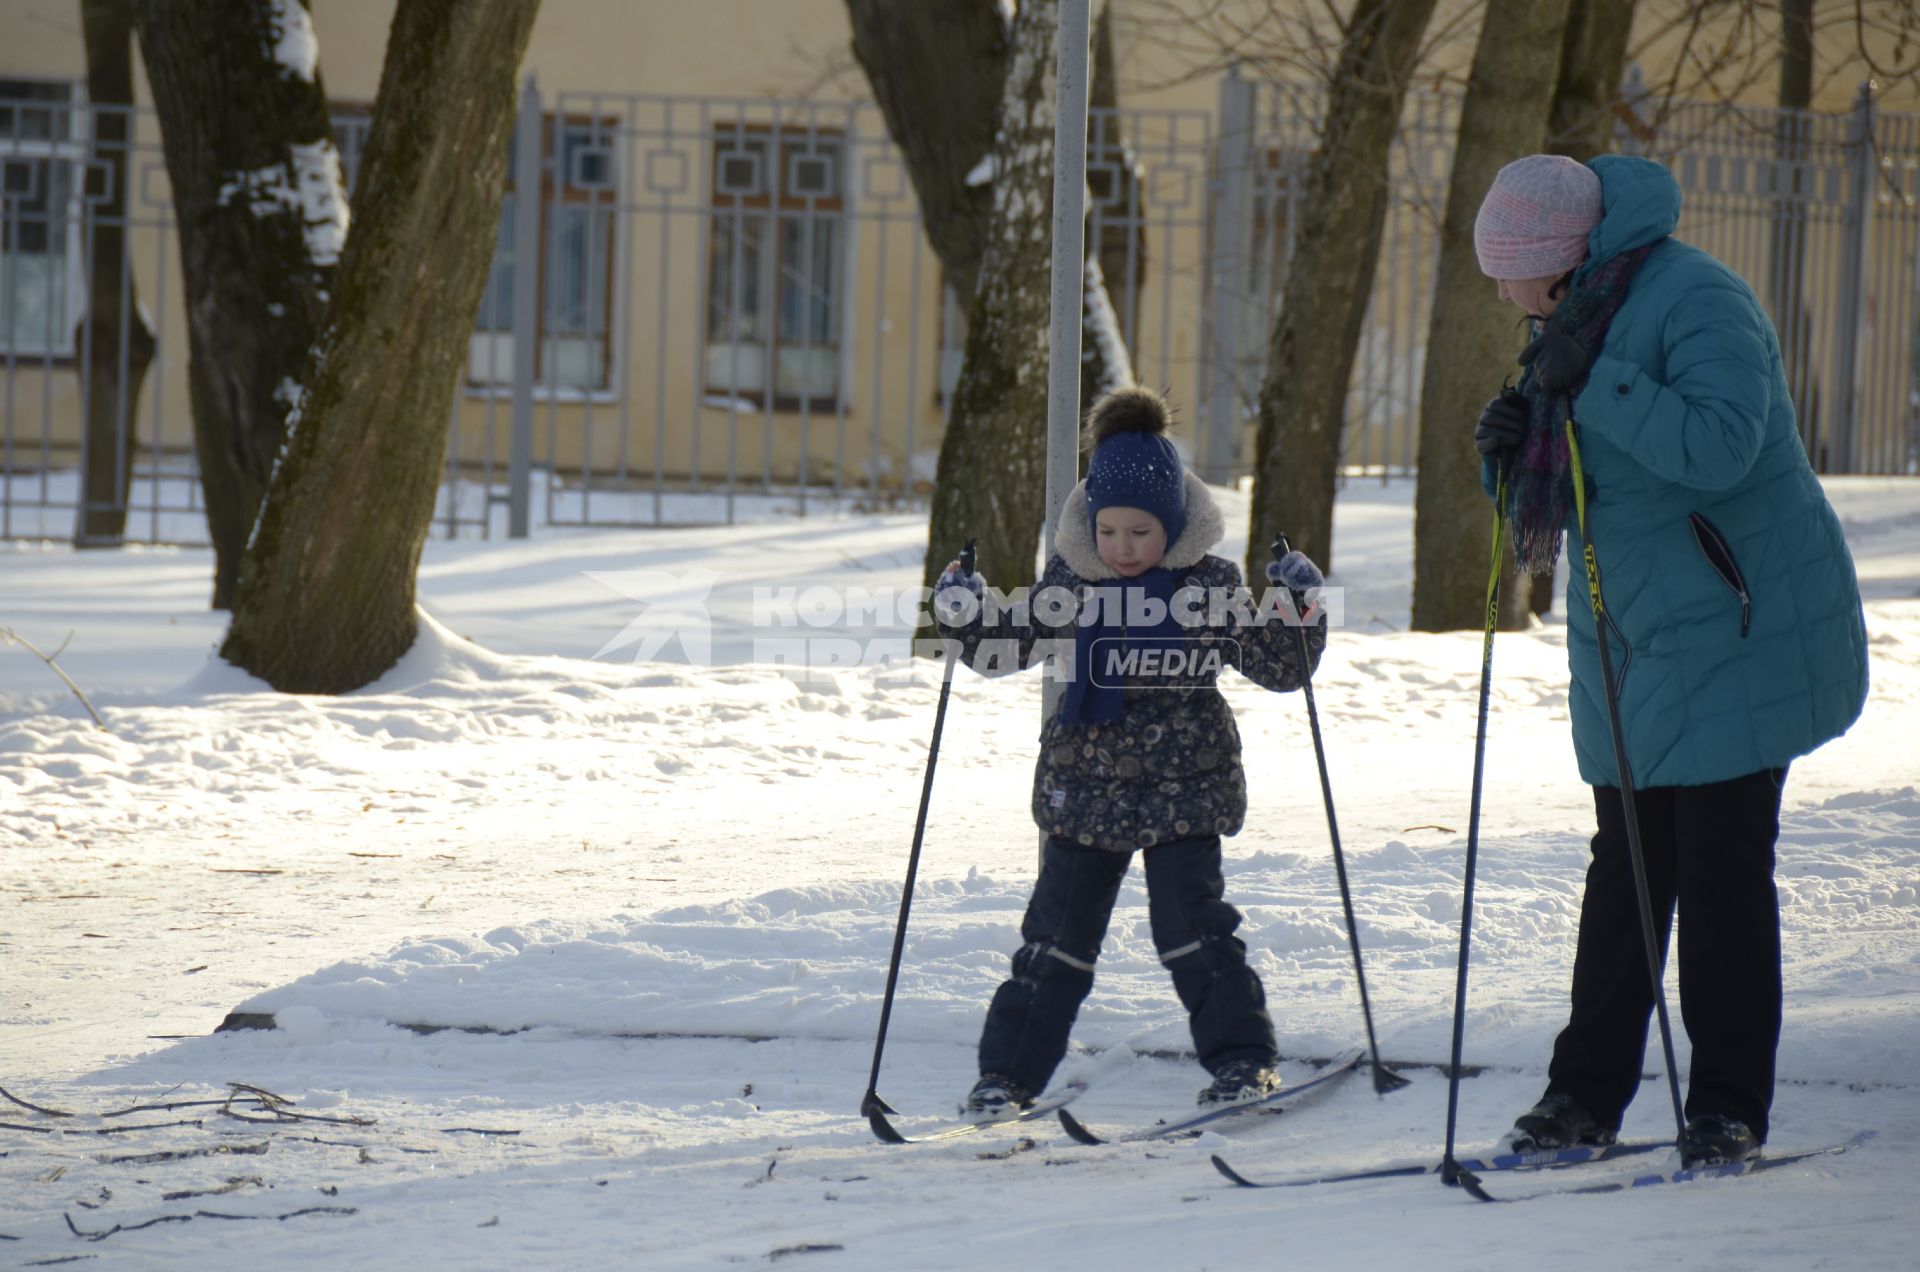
[{"x": 589, "y": 852}]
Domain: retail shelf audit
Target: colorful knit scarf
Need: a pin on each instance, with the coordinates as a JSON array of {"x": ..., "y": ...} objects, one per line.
[{"x": 1539, "y": 477}]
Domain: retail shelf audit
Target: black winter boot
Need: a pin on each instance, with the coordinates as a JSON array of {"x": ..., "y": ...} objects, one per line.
[
  {"x": 1558, "y": 1121},
  {"x": 1715, "y": 1140},
  {"x": 995, "y": 1095},
  {"x": 1238, "y": 1081}
]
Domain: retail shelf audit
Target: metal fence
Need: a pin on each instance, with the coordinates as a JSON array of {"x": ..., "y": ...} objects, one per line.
[
  {"x": 720, "y": 307},
  {"x": 1818, "y": 212}
]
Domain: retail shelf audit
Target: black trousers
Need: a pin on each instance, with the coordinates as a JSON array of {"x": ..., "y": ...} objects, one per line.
[
  {"x": 1032, "y": 1013},
  {"x": 1710, "y": 850}
]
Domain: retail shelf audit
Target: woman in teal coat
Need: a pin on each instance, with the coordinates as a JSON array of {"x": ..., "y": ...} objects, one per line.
[{"x": 1734, "y": 620}]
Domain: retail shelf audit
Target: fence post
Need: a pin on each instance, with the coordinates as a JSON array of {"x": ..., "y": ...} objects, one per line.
[
  {"x": 1227, "y": 242},
  {"x": 526, "y": 306},
  {"x": 1853, "y": 283}
]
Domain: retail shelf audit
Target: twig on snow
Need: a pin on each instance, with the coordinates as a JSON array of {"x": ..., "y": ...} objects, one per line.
[
  {"x": 7, "y": 633},
  {"x": 25, "y": 1104}
]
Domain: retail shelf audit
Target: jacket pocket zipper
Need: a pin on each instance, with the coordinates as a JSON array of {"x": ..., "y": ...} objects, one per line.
[{"x": 1719, "y": 555}]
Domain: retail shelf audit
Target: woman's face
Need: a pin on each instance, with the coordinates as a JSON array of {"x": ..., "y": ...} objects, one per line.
[
  {"x": 1534, "y": 295},
  {"x": 1131, "y": 541}
]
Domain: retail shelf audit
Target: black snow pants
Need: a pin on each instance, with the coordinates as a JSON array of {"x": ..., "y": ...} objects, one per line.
[
  {"x": 1710, "y": 849},
  {"x": 1032, "y": 1014}
]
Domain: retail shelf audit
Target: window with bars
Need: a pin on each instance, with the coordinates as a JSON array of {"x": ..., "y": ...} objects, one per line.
[
  {"x": 577, "y": 203},
  {"x": 775, "y": 260},
  {"x": 43, "y": 155}
]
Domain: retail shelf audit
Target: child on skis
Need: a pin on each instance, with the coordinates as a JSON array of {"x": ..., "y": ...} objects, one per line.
[{"x": 1141, "y": 755}]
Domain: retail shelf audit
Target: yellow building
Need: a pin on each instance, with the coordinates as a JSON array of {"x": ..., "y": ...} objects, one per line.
[{"x": 734, "y": 288}]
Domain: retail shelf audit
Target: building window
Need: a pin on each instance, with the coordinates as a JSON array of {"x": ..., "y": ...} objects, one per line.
[
  {"x": 42, "y": 157},
  {"x": 578, "y": 190},
  {"x": 774, "y": 267}
]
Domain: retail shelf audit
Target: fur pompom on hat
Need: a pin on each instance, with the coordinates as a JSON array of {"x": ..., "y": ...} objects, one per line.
[
  {"x": 1134, "y": 465},
  {"x": 1535, "y": 221}
]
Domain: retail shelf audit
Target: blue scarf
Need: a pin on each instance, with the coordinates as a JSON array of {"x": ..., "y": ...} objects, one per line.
[{"x": 1095, "y": 695}]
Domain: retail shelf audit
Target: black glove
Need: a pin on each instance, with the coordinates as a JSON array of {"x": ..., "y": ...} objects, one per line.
[
  {"x": 1502, "y": 424},
  {"x": 1559, "y": 361}
]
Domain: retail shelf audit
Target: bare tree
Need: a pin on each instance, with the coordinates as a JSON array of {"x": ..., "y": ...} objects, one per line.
[
  {"x": 113, "y": 337},
  {"x": 1311, "y": 349},
  {"x": 1585, "y": 119},
  {"x": 325, "y": 600},
  {"x": 1586, "y": 98},
  {"x": 991, "y": 477},
  {"x": 1472, "y": 338},
  {"x": 1121, "y": 246},
  {"x": 1787, "y": 247},
  {"x": 262, "y": 215},
  {"x": 936, "y": 69}
]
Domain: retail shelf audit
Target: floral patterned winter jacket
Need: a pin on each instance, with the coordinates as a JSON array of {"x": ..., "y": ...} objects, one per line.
[{"x": 1170, "y": 768}]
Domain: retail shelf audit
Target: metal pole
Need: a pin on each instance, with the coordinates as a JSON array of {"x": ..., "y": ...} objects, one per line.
[
  {"x": 1853, "y": 283},
  {"x": 1069, "y": 268},
  {"x": 526, "y": 307},
  {"x": 1219, "y": 446}
]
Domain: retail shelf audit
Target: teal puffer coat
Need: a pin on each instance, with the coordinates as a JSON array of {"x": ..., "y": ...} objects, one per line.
[{"x": 1723, "y": 565}]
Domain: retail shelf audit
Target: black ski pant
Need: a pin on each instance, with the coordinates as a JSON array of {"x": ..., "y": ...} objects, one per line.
[
  {"x": 1032, "y": 1014},
  {"x": 1710, "y": 849}
]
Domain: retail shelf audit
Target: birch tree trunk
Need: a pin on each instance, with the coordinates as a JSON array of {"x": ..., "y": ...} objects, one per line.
[
  {"x": 1474, "y": 336},
  {"x": 325, "y": 600},
  {"x": 991, "y": 481},
  {"x": 113, "y": 338},
  {"x": 262, "y": 215},
  {"x": 1311, "y": 349}
]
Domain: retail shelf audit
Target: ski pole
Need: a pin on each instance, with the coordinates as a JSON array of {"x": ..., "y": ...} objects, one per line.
[
  {"x": 1384, "y": 1079},
  {"x": 1601, "y": 624},
  {"x": 1451, "y": 1172},
  {"x": 871, "y": 1105}
]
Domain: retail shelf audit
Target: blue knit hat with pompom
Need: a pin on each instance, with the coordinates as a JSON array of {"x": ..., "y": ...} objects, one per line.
[{"x": 1134, "y": 465}]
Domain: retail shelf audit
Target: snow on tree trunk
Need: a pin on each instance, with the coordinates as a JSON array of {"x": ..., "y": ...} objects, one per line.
[
  {"x": 991, "y": 480},
  {"x": 325, "y": 599},
  {"x": 1104, "y": 363},
  {"x": 114, "y": 337},
  {"x": 1311, "y": 349},
  {"x": 262, "y": 215},
  {"x": 1473, "y": 335}
]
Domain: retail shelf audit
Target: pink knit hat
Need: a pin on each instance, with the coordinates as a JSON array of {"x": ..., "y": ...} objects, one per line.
[{"x": 1535, "y": 220}]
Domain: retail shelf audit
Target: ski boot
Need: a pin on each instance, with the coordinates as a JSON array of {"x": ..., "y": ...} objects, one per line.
[
  {"x": 995, "y": 1095},
  {"x": 1558, "y": 1121},
  {"x": 1239, "y": 1081},
  {"x": 1715, "y": 1140}
]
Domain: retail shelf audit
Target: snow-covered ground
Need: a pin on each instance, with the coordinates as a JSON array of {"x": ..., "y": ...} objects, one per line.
[{"x": 573, "y": 856}]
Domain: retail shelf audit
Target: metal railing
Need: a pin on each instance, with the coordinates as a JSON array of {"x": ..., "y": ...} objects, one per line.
[{"x": 725, "y": 307}]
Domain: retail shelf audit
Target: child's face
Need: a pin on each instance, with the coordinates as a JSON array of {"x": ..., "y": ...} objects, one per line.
[{"x": 1131, "y": 541}]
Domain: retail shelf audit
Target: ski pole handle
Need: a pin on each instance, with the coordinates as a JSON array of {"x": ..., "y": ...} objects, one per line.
[{"x": 967, "y": 559}]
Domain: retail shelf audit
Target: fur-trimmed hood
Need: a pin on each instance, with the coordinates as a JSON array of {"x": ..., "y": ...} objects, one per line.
[{"x": 1073, "y": 539}]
